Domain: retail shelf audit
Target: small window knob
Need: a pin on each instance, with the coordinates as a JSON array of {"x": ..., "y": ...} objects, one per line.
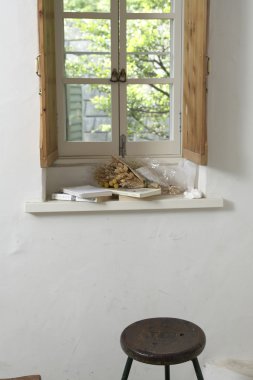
[
  {"x": 114, "y": 76},
  {"x": 122, "y": 75}
]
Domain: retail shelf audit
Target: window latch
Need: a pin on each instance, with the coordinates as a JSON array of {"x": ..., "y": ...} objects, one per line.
[
  {"x": 122, "y": 75},
  {"x": 208, "y": 65},
  {"x": 122, "y": 146},
  {"x": 118, "y": 77},
  {"x": 114, "y": 76}
]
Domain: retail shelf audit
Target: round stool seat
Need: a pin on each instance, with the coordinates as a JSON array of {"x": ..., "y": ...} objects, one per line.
[{"x": 163, "y": 341}]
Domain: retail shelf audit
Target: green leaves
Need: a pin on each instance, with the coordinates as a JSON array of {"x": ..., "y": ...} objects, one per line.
[
  {"x": 86, "y": 5},
  {"x": 148, "y": 109},
  {"x": 88, "y": 48},
  {"x": 88, "y": 55},
  {"x": 148, "y": 6}
]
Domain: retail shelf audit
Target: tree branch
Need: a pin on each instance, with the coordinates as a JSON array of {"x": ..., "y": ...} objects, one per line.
[{"x": 160, "y": 90}]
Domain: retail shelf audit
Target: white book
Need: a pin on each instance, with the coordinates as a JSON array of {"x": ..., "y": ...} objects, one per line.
[
  {"x": 94, "y": 200},
  {"x": 87, "y": 191},
  {"x": 63, "y": 197},
  {"x": 137, "y": 193}
]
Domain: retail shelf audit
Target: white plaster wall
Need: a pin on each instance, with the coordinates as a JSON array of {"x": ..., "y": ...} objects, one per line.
[{"x": 70, "y": 284}]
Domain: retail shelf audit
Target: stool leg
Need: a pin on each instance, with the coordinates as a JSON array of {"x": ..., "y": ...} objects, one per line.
[
  {"x": 127, "y": 368},
  {"x": 167, "y": 372},
  {"x": 197, "y": 369}
]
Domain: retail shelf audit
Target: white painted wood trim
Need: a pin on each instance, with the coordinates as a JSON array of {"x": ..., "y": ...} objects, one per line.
[
  {"x": 87, "y": 15},
  {"x": 162, "y": 203},
  {"x": 150, "y": 80},
  {"x": 169, "y": 148},
  {"x": 65, "y": 161},
  {"x": 150, "y": 16},
  {"x": 86, "y": 81}
]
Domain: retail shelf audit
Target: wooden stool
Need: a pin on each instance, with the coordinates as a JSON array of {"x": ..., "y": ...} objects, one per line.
[{"x": 163, "y": 341}]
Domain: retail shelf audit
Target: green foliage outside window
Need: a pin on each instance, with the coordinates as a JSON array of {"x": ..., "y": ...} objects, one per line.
[{"x": 87, "y": 55}]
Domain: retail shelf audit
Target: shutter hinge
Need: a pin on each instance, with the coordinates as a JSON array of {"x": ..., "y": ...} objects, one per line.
[
  {"x": 38, "y": 65},
  {"x": 180, "y": 122},
  {"x": 122, "y": 146},
  {"x": 207, "y": 65}
]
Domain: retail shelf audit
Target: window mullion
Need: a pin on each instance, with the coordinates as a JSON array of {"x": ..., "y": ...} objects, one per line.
[
  {"x": 150, "y": 16},
  {"x": 122, "y": 65},
  {"x": 115, "y": 65},
  {"x": 150, "y": 81},
  {"x": 87, "y": 15},
  {"x": 176, "y": 61},
  {"x": 60, "y": 73}
]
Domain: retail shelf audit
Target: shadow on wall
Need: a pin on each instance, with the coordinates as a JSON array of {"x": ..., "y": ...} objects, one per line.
[
  {"x": 230, "y": 82},
  {"x": 229, "y": 370},
  {"x": 228, "y": 205}
]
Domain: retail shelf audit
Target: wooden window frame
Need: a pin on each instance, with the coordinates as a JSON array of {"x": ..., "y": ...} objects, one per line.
[
  {"x": 170, "y": 147},
  {"x": 66, "y": 147},
  {"x": 194, "y": 146}
]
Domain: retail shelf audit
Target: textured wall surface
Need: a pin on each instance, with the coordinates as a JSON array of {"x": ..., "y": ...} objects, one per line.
[{"x": 70, "y": 283}]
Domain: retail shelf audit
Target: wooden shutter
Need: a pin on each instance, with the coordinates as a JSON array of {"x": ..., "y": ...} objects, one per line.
[
  {"x": 195, "y": 77},
  {"x": 47, "y": 73}
]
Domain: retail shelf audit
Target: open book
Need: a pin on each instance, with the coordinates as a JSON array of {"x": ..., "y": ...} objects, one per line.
[{"x": 137, "y": 193}]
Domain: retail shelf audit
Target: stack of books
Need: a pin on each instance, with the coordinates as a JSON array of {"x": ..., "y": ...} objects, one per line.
[{"x": 88, "y": 193}]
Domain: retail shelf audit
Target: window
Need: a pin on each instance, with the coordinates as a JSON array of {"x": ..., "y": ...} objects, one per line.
[
  {"x": 118, "y": 74},
  {"x": 119, "y": 77}
]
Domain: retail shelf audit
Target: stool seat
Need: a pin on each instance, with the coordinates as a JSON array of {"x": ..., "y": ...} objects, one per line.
[{"x": 163, "y": 341}]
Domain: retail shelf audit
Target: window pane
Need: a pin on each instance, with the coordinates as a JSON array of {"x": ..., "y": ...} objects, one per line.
[
  {"x": 87, "y": 48},
  {"x": 148, "y": 48},
  {"x": 149, "y": 6},
  {"x": 88, "y": 113},
  {"x": 148, "y": 112},
  {"x": 86, "y": 5}
]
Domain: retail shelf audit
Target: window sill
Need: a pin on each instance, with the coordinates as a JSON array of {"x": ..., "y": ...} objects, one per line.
[{"x": 161, "y": 203}]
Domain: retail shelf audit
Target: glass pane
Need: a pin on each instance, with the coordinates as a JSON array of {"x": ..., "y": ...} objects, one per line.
[
  {"x": 87, "y": 48},
  {"x": 149, "y": 6},
  {"x": 88, "y": 113},
  {"x": 148, "y": 48},
  {"x": 148, "y": 112},
  {"x": 86, "y": 5}
]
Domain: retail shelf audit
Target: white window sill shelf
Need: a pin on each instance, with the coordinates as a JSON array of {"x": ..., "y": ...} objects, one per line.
[{"x": 161, "y": 203}]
